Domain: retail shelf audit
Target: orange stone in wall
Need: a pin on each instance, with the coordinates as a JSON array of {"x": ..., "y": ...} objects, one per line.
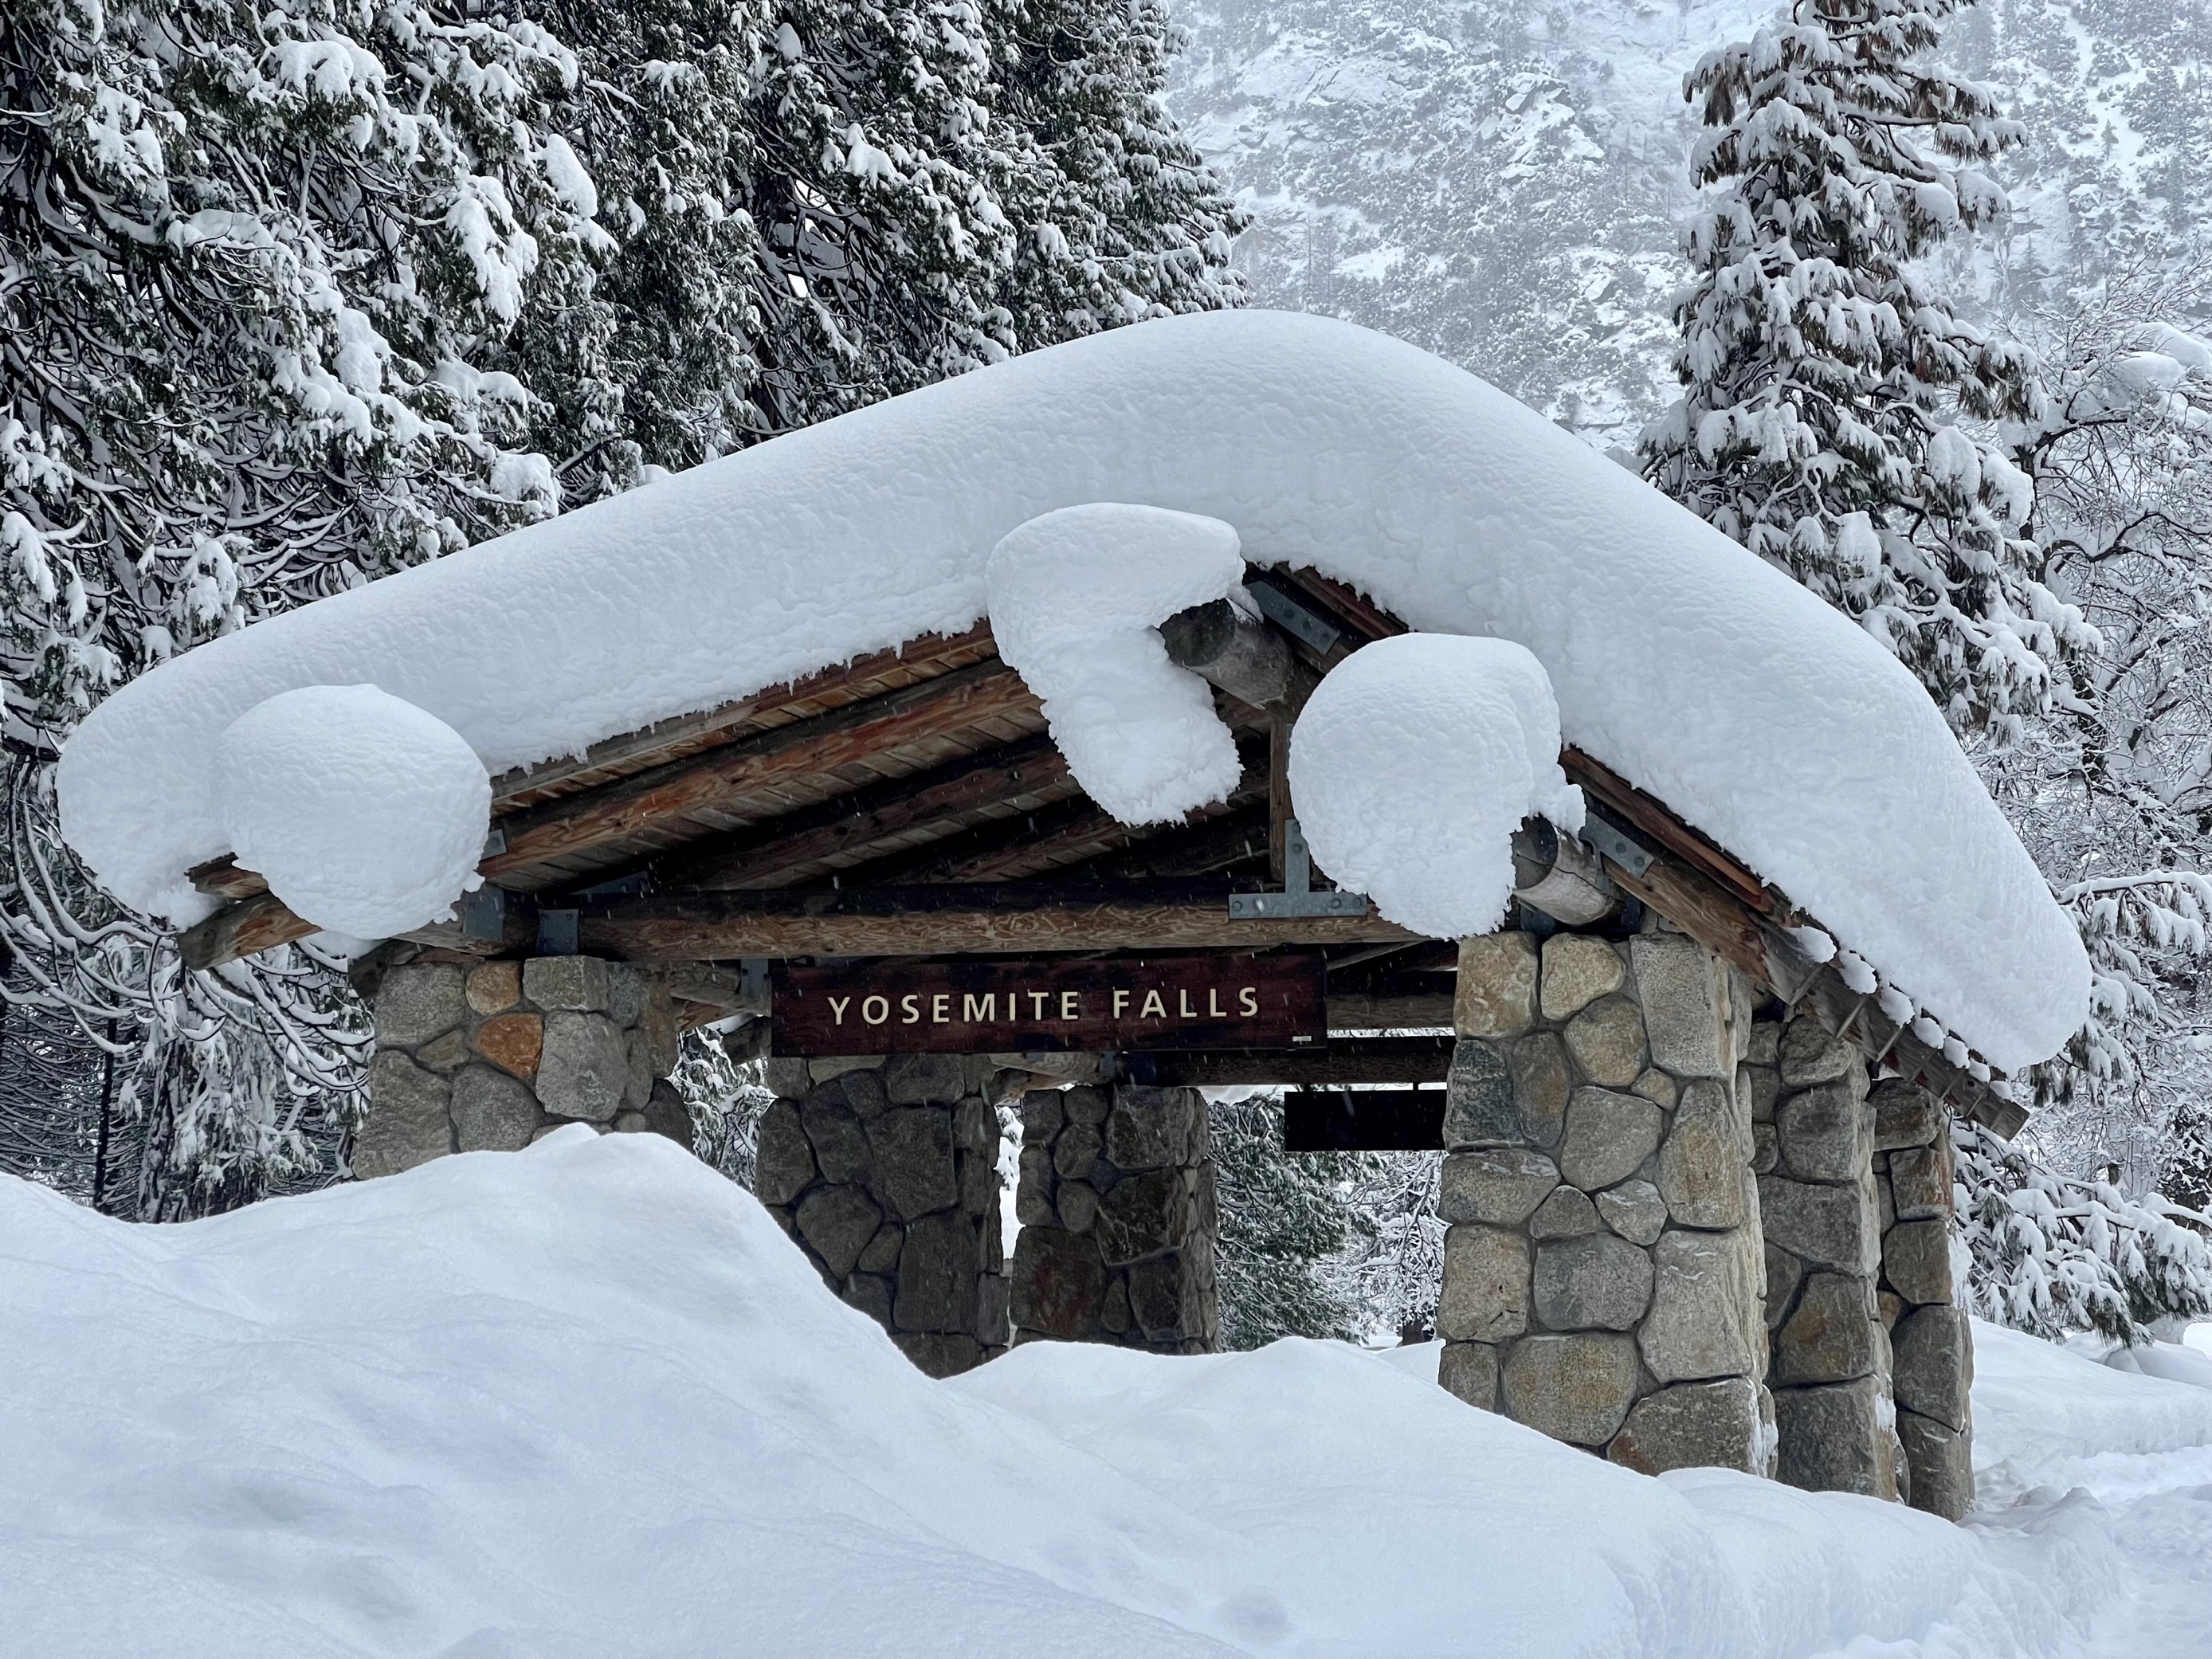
[{"x": 512, "y": 1043}]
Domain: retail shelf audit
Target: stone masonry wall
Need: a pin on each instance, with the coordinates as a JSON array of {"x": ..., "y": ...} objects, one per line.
[
  {"x": 490, "y": 1057},
  {"x": 1601, "y": 1278},
  {"x": 1931, "y": 1342},
  {"x": 1818, "y": 1210},
  {"x": 884, "y": 1171},
  {"x": 1871, "y": 1361},
  {"x": 1118, "y": 1216}
]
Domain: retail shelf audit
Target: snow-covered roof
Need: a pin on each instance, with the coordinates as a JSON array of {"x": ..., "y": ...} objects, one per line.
[{"x": 1758, "y": 714}]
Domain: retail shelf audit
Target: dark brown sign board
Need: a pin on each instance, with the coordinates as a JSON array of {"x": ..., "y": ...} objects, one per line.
[
  {"x": 989, "y": 1005},
  {"x": 1363, "y": 1119}
]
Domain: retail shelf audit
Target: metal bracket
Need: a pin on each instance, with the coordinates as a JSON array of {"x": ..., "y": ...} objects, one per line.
[
  {"x": 1293, "y": 618},
  {"x": 1297, "y": 897},
  {"x": 1631, "y": 855},
  {"x": 556, "y": 932},
  {"x": 495, "y": 843},
  {"x": 484, "y": 913}
]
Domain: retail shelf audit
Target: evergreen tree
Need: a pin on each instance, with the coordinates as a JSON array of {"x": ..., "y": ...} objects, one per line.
[
  {"x": 249, "y": 263},
  {"x": 1117, "y": 217},
  {"x": 2114, "y": 793},
  {"x": 2052, "y": 1255},
  {"x": 1827, "y": 385},
  {"x": 1282, "y": 1216}
]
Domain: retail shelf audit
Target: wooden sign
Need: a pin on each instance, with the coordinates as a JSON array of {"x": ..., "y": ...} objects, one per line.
[{"x": 982, "y": 1006}]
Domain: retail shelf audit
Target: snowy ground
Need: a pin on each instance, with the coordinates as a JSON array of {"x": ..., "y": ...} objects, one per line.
[{"x": 586, "y": 1399}]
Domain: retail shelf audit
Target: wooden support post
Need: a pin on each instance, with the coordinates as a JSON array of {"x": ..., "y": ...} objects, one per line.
[{"x": 1279, "y": 793}]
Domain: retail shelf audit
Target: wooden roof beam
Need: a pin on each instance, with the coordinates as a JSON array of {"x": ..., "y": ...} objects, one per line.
[
  {"x": 928, "y": 650},
  {"x": 950, "y": 919},
  {"x": 771, "y": 853},
  {"x": 616, "y": 811},
  {"x": 1066, "y": 836}
]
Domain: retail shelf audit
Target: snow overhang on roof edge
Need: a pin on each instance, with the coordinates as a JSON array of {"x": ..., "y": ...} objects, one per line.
[{"x": 1682, "y": 662}]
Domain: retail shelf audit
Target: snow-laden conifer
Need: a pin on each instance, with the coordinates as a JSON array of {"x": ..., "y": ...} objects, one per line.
[
  {"x": 249, "y": 264},
  {"x": 1119, "y": 218},
  {"x": 1828, "y": 389},
  {"x": 2114, "y": 792},
  {"x": 297, "y": 295}
]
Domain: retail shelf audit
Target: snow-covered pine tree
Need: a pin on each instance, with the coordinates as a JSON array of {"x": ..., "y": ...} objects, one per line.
[
  {"x": 2114, "y": 793},
  {"x": 1391, "y": 1270},
  {"x": 1283, "y": 1216},
  {"x": 1117, "y": 217},
  {"x": 250, "y": 258},
  {"x": 815, "y": 206},
  {"x": 298, "y": 295},
  {"x": 1825, "y": 383},
  {"x": 2053, "y": 1254}
]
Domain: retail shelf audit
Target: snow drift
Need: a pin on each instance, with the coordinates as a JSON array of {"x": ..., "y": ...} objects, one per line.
[
  {"x": 367, "y": 815},
  {"x": 1077, "y": 598},
  {"x": 1412, "y": 766},
  {"x": 1704, "y": 676},
  {"x": 588, "y": 1400}
]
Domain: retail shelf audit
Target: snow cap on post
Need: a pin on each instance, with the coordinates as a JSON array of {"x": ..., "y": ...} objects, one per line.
[
  {"x": 1077, "y": 598},
  {"x": 364, "y": 814},
  {"x": 1413, "y": 762}
]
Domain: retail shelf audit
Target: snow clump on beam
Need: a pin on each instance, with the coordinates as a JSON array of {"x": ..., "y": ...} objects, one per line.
[
  {"x": 1698, "y": 673},
  {"x": 1077, "y": 598},
  {"x": 1413, "y": 762},
  {"x": 364, "y": 814}
]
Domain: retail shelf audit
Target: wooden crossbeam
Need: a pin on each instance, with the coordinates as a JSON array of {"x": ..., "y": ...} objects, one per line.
[
  {"x": 770, "y": 853},
  {"x": 1198, "y": 850},
  {"x": 1068, "y": 835},
  {"x": 1365, "y": 1011},
  {"x": 614, "y": 812},
  {"x": 948, "y": 918}
]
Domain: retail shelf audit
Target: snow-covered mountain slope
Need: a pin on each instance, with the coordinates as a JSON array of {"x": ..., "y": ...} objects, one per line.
[
  {"x": 588, "y": 1400},
  {"x": 1505, "y": 186}
]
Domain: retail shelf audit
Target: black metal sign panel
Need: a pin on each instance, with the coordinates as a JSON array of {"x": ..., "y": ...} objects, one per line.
[{"x": 1363, "y": 1119}]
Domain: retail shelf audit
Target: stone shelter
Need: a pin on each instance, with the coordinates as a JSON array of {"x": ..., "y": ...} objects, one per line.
[
  {"x": 1698, "y": 1188},
  {"x": 1697, "y": 1166}
]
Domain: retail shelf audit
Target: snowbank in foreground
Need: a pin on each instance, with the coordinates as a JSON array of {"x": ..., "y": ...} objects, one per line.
[
  {"x": 588, "y": 1400},
  {"x": 1695, "y": 671}
]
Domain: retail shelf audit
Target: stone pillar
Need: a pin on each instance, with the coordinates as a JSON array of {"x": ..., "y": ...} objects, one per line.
[
  {"x": 1931, "y": 1341},
  {"x": 1117, "y": 1204},
  {"x": 490, "y": 1056},
  {"x": 1602, "y": 1269},
  {"x": 883, "y": 1170},
  {"x": 1820, "y": 1209}
]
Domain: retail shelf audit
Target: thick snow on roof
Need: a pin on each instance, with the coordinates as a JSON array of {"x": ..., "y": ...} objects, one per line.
[
  {"x": 366, "y": 815},
  {"x": 1139, "y": 734},
  {"x": 1707, "y": 678}
]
